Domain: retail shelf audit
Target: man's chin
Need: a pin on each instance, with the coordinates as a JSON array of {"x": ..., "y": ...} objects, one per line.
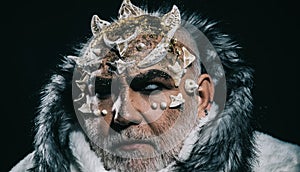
[
  {"x": 132, "y": 162},
  {"x": 135, "y": 150},
  {"x": 136, "y": 164}
]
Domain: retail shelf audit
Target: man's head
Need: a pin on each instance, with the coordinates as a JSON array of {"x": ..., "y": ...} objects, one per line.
[{"x": 140, "y": 90}]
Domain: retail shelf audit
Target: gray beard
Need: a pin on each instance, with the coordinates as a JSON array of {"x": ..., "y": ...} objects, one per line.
[
  {"x": 137, "y": 161},
  {"x": 120, "y": 164}
]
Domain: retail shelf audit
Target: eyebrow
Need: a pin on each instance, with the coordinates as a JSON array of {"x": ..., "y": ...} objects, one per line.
[{"x": 151, "y": 75}]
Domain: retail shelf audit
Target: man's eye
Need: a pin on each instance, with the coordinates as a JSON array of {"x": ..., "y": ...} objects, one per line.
[
  {"x": 103, "y": 93},
  {"x": 103, "y": 88},
  {"x": 151, "y": 88}
]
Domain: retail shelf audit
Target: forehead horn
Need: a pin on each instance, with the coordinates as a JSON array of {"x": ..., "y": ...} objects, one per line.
[
  {"x": 173, "y": 18},
  {"x": 97, "y": 24},
  {"x": 127, "y": 9}
]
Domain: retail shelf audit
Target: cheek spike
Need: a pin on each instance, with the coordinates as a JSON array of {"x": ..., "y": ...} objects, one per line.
[
  {"x": 190, "y": 86},
  {"x": 176, "y": 100}
]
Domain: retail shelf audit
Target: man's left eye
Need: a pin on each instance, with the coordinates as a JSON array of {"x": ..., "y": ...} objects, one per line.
[{"x": 151, "y": 88}]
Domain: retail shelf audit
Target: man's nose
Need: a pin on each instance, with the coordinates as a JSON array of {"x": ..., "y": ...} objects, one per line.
[{"x": 124, "y": 112}]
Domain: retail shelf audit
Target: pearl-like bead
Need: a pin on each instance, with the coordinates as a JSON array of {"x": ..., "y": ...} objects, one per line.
[
  {"x": 163, "y": 105},
  {"x": 104, "y": 112},
  {"x": 154, "y": 106}
]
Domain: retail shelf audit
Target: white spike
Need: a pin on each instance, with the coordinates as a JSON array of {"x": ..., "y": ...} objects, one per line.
[
  {"x": 116, "y": 107},
  {"x": 97, "y": 24},
  {"x": 127, "y": 9},
  {"x": 188, "y": 57},
  {"x": 122, "y": 66},
  {"x": 176, "y": 100},
  {"x": 122, "y": 48},
  {"x": 178, "y": 71},
  {"x": 75, "y": 58},
  {"x": 85, "y": 108},
  {"x": 82, "y": 83},
  {"x": 80, "y": 97},
  {"x": 173, "y": 18},
  {"x": 97, "y": 51}
]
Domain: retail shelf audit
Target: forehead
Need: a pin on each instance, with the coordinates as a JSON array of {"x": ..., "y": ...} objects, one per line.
[
  {"x": 139, "y": 44},
  {"x": 146, "y": 24}
]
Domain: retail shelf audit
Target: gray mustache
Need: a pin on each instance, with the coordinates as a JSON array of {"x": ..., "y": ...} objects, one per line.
[{"x": 130, "y": 136}]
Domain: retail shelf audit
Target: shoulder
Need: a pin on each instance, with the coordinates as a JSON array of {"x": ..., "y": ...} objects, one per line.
[
  {"x": 25, "y": 164},
  {"x": 276, "y": 155}
]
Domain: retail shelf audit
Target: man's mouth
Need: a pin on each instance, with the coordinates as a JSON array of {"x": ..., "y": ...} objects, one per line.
[{"x": 133, "y": 146}]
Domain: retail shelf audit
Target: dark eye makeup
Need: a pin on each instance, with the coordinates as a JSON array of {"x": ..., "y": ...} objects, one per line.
[
  {"x": 103, "y": 88},
  {"x": 151, "y": 82}
]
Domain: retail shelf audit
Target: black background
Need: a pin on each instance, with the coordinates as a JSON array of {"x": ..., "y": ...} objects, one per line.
[{"x": 36, "y": 34}]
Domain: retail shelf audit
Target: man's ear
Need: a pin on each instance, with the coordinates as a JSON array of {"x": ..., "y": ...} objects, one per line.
[{"x": 205, "y": 94}]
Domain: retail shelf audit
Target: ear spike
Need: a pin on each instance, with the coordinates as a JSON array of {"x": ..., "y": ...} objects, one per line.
[
  {"x": 97, "y": 24},
  {"x": 128, "y": 9}
]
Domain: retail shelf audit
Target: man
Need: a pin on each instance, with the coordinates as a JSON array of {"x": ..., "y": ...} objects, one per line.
[{"x": 148, "y": 93}]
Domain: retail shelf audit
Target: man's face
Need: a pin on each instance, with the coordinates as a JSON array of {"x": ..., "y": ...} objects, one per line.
[
  {"x": 144, "y": 103},
  {"x": 138, "y": 124}
]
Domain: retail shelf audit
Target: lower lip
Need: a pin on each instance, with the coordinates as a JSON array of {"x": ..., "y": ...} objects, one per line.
[{"x": 132, "y": 147}]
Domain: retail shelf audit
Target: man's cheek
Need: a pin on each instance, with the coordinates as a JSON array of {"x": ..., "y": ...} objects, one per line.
[
  {"x": 104, "y": 126},
  {"x": 99, "y": 125},
  {"x": 151, "y": 106},
  {"x": 165, "y": 122}
]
